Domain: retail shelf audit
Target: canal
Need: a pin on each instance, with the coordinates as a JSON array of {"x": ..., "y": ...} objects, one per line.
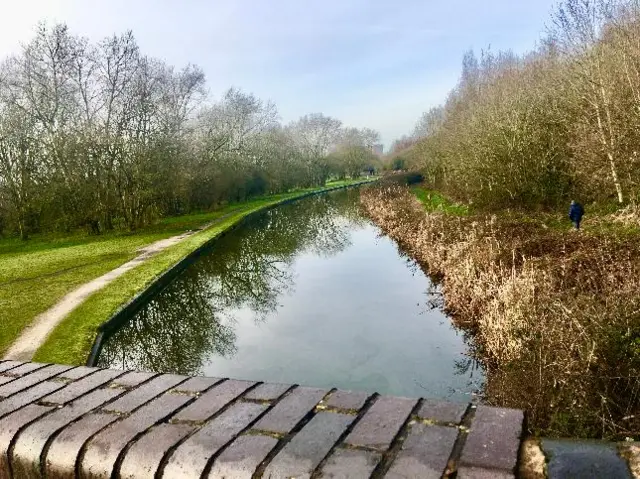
[{"x": 311, "y": 293}]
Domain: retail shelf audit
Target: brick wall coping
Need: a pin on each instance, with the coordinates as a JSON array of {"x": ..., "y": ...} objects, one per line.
[{"x": 63, "y": 422}]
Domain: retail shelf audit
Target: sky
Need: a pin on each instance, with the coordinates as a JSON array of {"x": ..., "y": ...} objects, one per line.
[{"x": 369, "y": 63}]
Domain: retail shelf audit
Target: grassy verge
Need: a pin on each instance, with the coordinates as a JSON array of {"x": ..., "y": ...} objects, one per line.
[
  {"x": 71, "y": 341},
  {"x": 554, "y": 313},
  {"x": 601, "y": 219},
  {"x": 434, "y": 201},
  {"x": 35, "y": 274}
]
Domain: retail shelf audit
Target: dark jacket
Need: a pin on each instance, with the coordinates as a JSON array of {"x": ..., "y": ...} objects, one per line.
[{"x": 575, "y": 212}]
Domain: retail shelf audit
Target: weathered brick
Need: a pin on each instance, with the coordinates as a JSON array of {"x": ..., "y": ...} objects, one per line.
[
  {"x": 24, "y": 369},
  {"x": 196, "y": 385},
  {"x": 10, "y": 425},
  {"x": 60, "y": 461},
  {"x": 494, "y": 439},
  {"x": 213, "y": 400},
  {"x": 268, "y": 391},
  {"x": 71, "y": 421},
  {"x": 308, "y": 447},
  {"x": 67, "y": 445},
  {"x": 6, "y": 379},
  {"x": 348, "y": 399},
  {"x": 23, "y": 398},
  {"x": 145, "y": 392},
  {"x": 7, "y": 365},
  {"x": 143, "y": 459},
  {"x": 425, "y": 452},
  {"x": 290, "y": 410},
  {"x": 102, "y": 451},
  {"x": 31, "y": 441},
  {"x": 78, "y": 373},
  {"x": 29, "y": 380},
  {"x": 350, "y": 464},
  {"x": 382, "y": 422},
  {"x": 242, "y": 457},
  {"x": 442, "y": 411},
  {"x": 76, "y": 389},
  {"x": 132, "y": 379},
  {"x": 479, "y": 473},
  {"x": 191, "y": 457}
]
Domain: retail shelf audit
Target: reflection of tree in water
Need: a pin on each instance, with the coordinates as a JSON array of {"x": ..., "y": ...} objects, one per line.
[
  {"x": 473, "y": 370},
  {"x": 164, "y": 334},
  {"x": 336, "y": 217},
  {"x": 469, "y": 365},
  {"x": 250, "y": 267}
]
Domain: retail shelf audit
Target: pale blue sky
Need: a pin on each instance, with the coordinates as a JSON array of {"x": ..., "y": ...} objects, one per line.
[{"x": 375, "y": 63}]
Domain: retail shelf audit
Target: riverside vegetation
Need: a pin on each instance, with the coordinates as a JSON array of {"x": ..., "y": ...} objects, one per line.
[
  {"x": 555, "y": 313},
  {"x": 102, "y": 137},
  {"x": 104, "y": 150}
]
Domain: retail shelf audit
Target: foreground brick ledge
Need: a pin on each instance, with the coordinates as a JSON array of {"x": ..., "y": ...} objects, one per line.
[{"x": 58, "y": 421}]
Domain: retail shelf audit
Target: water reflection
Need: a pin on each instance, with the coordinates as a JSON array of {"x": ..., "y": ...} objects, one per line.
[
  {"x": 307, "y": 293},
  {"x": 193, "y": 316}
]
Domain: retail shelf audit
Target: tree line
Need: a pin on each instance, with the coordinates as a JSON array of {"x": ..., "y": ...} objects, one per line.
[
  {"x": 535, "y": 129},
  {"x": 102, "y": 136}
]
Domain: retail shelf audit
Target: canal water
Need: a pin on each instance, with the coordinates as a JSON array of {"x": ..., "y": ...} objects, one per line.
[{"x": 310, "y": 293}]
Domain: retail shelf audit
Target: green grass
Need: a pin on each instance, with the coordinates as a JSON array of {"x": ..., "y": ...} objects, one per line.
[
  {"x": 71, "y": 341},
  {"x": 36, "y": 274},
  {"x": 434, "y": 201},
  {"x": 32, "y": 279},
  {"x": 596, "y": 220}
]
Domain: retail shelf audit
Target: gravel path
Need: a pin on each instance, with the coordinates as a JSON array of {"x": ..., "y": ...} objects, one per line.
[{"x": 36, "y": 333}]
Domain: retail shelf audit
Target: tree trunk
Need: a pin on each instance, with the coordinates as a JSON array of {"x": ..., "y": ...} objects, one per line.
[
  {"x": 609, "y": 145},
  {"x": 616, "y": 180}
]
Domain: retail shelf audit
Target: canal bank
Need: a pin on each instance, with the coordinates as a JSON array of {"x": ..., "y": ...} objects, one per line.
[
  {"x": 73, "y": 334},
  {"x": 308, "y": 293},
  {"x": 553, "y": 313}
]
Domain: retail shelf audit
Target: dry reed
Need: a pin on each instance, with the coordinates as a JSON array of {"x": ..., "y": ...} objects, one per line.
[{"x": 555, "y": 314}]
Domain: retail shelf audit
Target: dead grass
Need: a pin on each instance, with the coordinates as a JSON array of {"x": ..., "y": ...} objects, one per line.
[
  {"x": 629, "y": 216},
  {"x": 555, "y": 313}
]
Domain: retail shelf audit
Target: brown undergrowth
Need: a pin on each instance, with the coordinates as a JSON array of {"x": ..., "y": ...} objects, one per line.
[{"x": 555, "y": 314}]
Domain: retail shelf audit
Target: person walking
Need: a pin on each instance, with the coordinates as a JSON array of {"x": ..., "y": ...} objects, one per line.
[{"x": 576, "y": 212}]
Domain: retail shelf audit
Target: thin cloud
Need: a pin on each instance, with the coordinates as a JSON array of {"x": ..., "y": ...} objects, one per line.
[{"x": 378, "y": 63}]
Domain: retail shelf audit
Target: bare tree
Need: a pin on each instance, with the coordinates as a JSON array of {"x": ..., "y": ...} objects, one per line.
[
  {"x": 429, "y": 123},
  {"x": 101, "y": 136},
  {"x": 315, "y": 135},
  {"x": 578, "y": 28}
]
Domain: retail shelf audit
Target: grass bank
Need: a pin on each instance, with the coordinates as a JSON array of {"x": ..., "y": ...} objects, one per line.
[
  {"x": 434, "y": 201},
  {"x": 71, "y": 341},
  {"x": 555, "y": 313},
  {"x": 36, "y": 274}
]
